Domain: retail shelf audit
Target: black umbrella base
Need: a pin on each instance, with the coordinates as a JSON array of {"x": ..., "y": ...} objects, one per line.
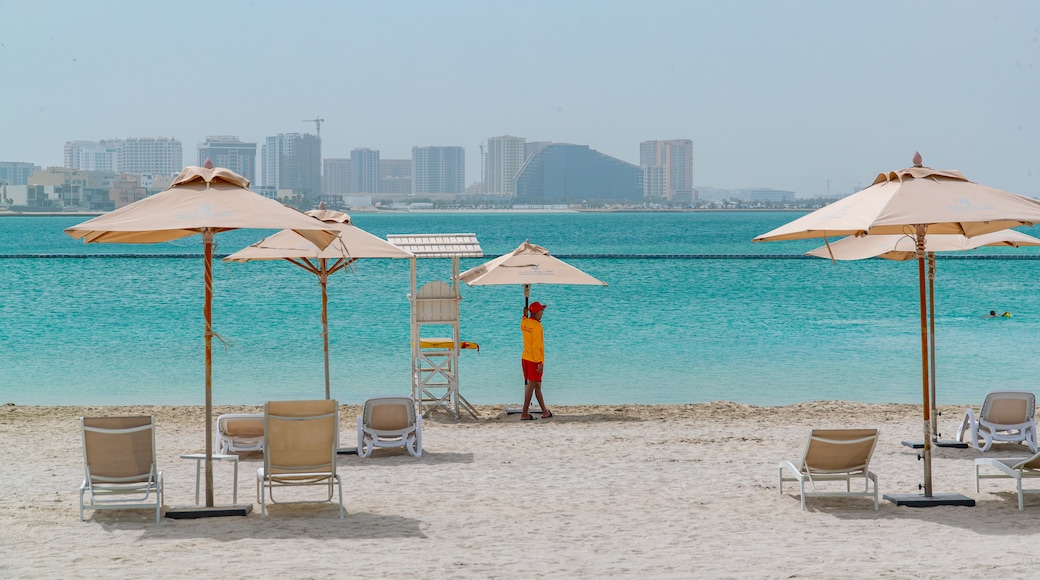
[
  {"x": 194, "y": 512},
  {"x": 918, "y": 500},
  {"x": 951, "y": 443}
]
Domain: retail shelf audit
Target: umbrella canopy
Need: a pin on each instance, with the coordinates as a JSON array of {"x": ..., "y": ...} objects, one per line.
[
  {"x": 902, "y": 247},
  {"x": 528, "y": 264},
  {"x": 918, "y": 201},
  {"x": 350, "y": 244},
  {"x": 201, "y": 200}
]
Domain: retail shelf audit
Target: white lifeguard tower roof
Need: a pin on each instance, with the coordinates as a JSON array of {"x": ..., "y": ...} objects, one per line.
[{"x": 438, "y": 245}]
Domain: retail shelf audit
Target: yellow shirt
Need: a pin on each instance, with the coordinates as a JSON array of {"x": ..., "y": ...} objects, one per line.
[{"x": 534, "y": 345}]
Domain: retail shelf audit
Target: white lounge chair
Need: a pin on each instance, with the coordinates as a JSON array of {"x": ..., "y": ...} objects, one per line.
[
  {"x": 300, "y": 443},
  {"x": 389, "y": 422},
  {"x": 834, "y": 455},
  {"x": 119, "y": 461},
  {"x": 1017, "y": 468},
  {"x": 1008, "y": 416},
  {"x": 238, "y": 432}
]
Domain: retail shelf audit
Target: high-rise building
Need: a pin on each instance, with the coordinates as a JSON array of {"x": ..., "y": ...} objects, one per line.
[
  {"x": 561, "y": 172},
  {"x": 336, "y": 177},
  {"x": 92, "y": 155},
  {"x": 16, "y": 172},
  {"x": 227, "y": 151},
  {"x": 438, "y": 170},
  {"x": 395, "y": 176},
  {"x": 667, "y": 169},
  {"x": 292, "y": 161},
  {"x": 149, "y": 155},
  {"x": 364, "y": 165},
  {"x": 505, "y": 155}
]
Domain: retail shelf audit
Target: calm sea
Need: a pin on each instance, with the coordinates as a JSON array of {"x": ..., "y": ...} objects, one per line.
[{"x": 124, "y": 326}]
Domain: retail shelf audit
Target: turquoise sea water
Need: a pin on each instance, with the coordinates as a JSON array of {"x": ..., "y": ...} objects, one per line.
[{"x": 112, "y": 329}]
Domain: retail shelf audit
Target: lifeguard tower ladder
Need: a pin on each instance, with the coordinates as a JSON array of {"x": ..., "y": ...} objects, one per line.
[{"x": 435, "y": 360}]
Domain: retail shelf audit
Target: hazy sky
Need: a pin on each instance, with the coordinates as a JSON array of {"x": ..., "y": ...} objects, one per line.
[{"x": 783, "y": 94}]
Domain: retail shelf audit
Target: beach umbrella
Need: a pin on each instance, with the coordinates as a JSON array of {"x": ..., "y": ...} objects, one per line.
[
  {"x": 918, "y": 201},
  {"x": 526, "y": 265},
  {"x": 902, "y": 248},
  {"x": 201, "y": 200},
  {"x": 351, "y": 244}
]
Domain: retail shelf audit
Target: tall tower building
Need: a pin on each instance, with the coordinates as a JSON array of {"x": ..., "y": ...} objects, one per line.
[
  {"x": 505, "y": 156},
  {"x": 92, "y": 156},
  {"x": 149, "y": 155},
  {"x": 227, "y": 151},
  {"x": 667, "y": 169},
  {"x": 336, "y": 178},
  {"x": 292, "y": 161},
  {"x": 438, "y": 170},
  {"x": 364, "y": 164}
]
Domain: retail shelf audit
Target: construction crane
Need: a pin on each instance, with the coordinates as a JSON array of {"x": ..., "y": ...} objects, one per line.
[{"x": 317, "y": 123}]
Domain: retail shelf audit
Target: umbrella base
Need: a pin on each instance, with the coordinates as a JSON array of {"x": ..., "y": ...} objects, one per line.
[
  {"x": 918, "y": 500},
  {"x": 951, "y": 443},
  {"x": 346, "y": 451},
  {"x": 194, "y": 512}
]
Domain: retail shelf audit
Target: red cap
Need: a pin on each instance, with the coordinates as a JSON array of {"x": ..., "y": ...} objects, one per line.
[{"x": 536, "y": 307}]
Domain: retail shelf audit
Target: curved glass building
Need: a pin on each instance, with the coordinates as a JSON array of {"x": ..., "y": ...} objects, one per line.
[{"x": 560, "y": 172}]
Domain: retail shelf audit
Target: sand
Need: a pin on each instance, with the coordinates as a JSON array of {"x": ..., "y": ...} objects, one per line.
[{"x": 677, "y": 491}]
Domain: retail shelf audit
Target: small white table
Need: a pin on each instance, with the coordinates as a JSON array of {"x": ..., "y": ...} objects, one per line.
[{"x": 199, "y": 458}]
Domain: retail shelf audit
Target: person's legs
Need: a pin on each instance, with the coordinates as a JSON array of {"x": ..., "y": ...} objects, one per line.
[
  {"x": 537, "y": 388},
  {"x": 529, "y": 389}
]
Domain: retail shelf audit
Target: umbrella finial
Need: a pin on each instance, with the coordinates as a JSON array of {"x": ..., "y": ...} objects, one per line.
[
  {"x": 208, "y": 164},
  {"x": 917, "y": 159},
  {"x": 321, "y": 205}
]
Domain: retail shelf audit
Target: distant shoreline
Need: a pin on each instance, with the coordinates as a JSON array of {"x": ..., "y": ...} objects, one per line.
[{"x": 427, "y": 211}]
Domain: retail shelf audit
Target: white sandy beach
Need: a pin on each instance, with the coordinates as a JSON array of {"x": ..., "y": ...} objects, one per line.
[{"x": 687, "y": 491}]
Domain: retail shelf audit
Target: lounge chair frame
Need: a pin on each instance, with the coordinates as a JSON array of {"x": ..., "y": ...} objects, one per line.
[
  {"x": 301, "y": 439},
  {"x": 389, "y": 422},
  {"x": 834, "y": 455},
  {"x": 1005, "y": 416},
  {"x": 119, "y": 465},
  {"x": 232, "y": 443},
  {"x": 1017, "y": 468}
]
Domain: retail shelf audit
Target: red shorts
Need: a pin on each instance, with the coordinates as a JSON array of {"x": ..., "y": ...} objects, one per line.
[{"x": 532, "y": 370}]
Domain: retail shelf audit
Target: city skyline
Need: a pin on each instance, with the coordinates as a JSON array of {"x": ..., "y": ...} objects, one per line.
[{"x": 807, "y": 96}]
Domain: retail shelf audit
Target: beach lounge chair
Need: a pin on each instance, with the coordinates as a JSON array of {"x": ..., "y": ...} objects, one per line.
[
  {"x": 238, "y": 432},
  {"x": 1017, "y": 468},
  {"x": 300, "y": 443},
  {"x": 834, "y": 455},
  {"x": 1008, "y": 416},
  {"x": 389, "y": 422},
  {"x": 119, "y": 464}
]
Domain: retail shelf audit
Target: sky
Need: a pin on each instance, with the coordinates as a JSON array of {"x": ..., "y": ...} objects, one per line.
[{"x": 815, "y": 97}]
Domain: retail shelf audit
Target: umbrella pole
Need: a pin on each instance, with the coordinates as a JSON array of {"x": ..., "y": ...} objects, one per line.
[
  {"x": 207, "y": 311},
  {"x": 323, "y": 278},
  {"x": 926, "y": 454},
  {"x": 527, "y": 296},
  {"x": 931, "y": 346}
]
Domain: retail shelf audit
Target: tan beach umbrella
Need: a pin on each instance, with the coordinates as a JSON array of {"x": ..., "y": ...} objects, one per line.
[
  {"x": 351, "y": 244},
  {"x": 918, "y": 201},
  {"x": 201, "y": 200},
  {"x": 526, "y": 265},
  {"x": 902, "y": 248}
]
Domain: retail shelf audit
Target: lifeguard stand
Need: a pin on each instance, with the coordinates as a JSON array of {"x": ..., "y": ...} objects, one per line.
[{"x": 435, "y": 359}]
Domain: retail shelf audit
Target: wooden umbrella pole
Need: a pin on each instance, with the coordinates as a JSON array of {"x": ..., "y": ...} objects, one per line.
[
  {"x": 207, "y": 312},
  {"x": 926, "y": 454},
  {"x": 931, "y": 343},
  {"x": 323, "y": 278}
]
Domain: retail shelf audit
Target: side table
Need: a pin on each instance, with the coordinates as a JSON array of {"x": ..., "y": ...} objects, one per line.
[{"x": 199, "y": 458}]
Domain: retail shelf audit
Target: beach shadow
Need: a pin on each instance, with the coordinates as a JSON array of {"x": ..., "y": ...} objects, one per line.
[
  {"x": 994, "y": 514},
  {"x": 317, "y": 521},
  {"x": 398, "y": 457}
]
